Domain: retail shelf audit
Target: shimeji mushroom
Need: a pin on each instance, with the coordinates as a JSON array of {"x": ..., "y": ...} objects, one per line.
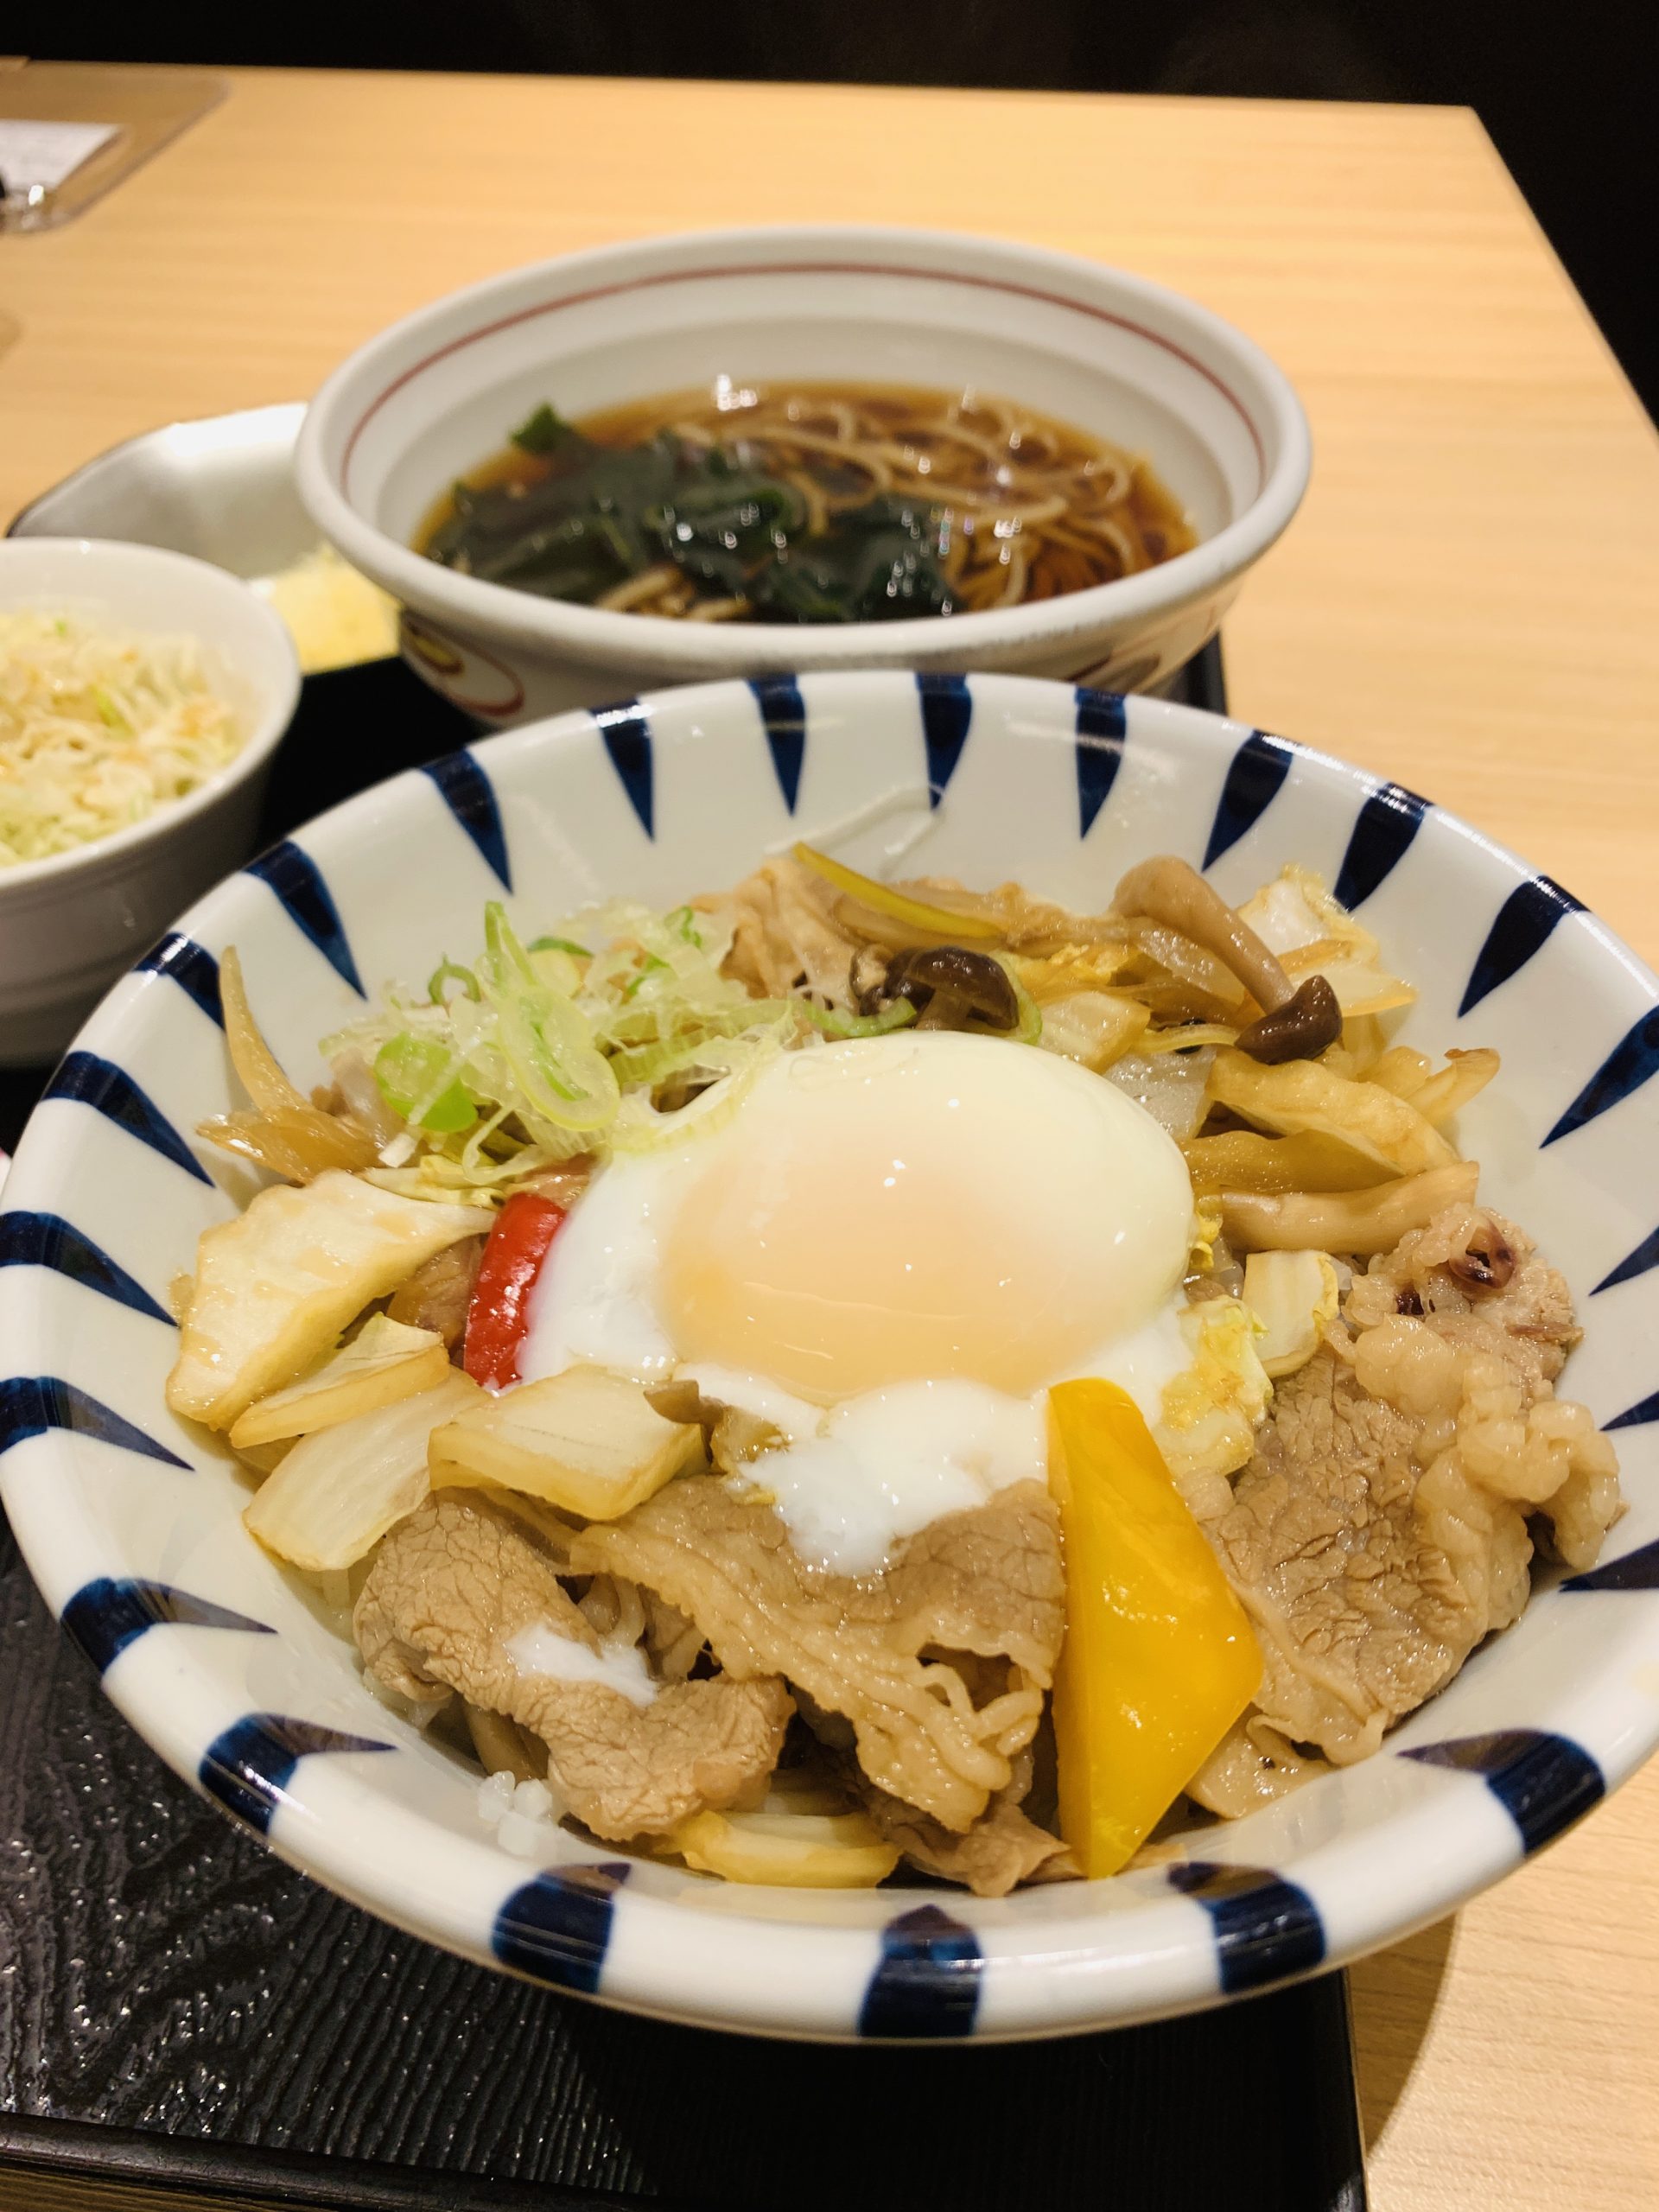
[{"x": 1297, "y": 1021}]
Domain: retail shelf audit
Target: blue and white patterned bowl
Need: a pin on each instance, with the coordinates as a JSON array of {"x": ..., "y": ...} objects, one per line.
[{"x": 130, "y": 1520}]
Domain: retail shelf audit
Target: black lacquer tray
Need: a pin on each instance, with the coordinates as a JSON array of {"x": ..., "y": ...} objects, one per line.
[{"x": 186, "y": 2021}]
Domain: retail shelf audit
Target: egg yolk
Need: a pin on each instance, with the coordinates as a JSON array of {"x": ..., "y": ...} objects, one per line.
[{"x": 923, "y": 1206}]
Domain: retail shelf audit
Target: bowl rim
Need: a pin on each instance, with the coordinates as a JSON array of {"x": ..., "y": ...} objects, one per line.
[
  {"x": 253, "y": 754},
  {"x": 22, "y": 522},
  {"x": 1067, "y": 1972},
  {"x": 708, "y": 650}
]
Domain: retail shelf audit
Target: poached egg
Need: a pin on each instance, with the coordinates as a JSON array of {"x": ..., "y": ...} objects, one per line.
[{"x": 889, "y": 1250}]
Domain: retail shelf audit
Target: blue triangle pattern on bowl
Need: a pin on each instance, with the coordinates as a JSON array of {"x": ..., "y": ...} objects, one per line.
[
  {"x": 1254, "y": 780},
  {"x": 110, "y": 1092},
  {"x": 1387, "y": 821},
  {"x": 1638, "y": 1570},
  {"x": 627, "y": 732},
  {"x": 297, "y": 881},
  {"x": 927, "y": 1984},
  {"x": 33, "y": 1405},
  {"x": 1098, "y": 749},
  {"x": 1633, "y": 1062},
  {"x": 556, "y": 1927},
  {"x": 1525, "y": 923},
  {"x": 191, "y": 966},
  {"x": 46, "y": 1240},
  {"x": 1266, "y": 1929},
  {"x": 783, "y": 713},
  {"x": 1638, "y": 1262},
  {"x": 102, "y": 1618},
  {"x": 947, "y": 713},
  {"x": 249, "y": 1765},
  {"x": 469, "y": 795},
  {"x": 1642, "y": 1415},
  {"x": 1543, "y": 1781}
]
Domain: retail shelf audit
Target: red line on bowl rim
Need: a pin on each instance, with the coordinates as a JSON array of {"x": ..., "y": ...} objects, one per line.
[{"x": 802, "y": 269}]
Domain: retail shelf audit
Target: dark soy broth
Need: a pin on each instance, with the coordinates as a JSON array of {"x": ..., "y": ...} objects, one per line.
[{"x": 806, "y": 503}]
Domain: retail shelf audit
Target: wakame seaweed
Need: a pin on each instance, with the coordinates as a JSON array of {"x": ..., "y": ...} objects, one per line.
[{"x": 592, "y": 517}]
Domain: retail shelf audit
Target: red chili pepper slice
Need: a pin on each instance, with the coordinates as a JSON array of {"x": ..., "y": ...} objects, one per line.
[{"x": 524, "y": 1229}]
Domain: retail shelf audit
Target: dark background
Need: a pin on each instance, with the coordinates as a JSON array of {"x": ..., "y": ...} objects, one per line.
[{"x": 1566, "y": 90}]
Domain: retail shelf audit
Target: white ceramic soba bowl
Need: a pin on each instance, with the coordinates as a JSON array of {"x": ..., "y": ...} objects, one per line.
[
  {"x": 434, "y": 395},
  {"x": 70, "y": 924},
  {"x": 131, "y": 1519}
]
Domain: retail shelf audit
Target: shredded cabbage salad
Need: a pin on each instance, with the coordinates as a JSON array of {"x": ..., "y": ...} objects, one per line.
[
  {"x": 615, "y": 1033},
  {"x": 98, "y": 729}
]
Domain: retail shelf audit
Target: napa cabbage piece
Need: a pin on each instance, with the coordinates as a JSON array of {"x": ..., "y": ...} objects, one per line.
[
  {"x": 1297, "y": 919},
  {"x": 1209, "y": 1414},
  {"x": 275, "y": 1286},
  {"x": 587, "y": 1441},
  {"x": 386, "y": 1360},
  {"x": 1172, "y": 1086},
  {"x": 1067, "y": 967},
  {"x": 1362, "y": 987},
  {"x": 1295, "y": 910},
  {"x": 1092, "y": 1028},
  {"x": 264, "y": 1458},
  {"x": 1293, "y": 1296},
  {"x": 332, "y": 1498}
]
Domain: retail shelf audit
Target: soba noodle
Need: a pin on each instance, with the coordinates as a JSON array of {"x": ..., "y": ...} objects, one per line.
[{"x": 808, "y": 503}]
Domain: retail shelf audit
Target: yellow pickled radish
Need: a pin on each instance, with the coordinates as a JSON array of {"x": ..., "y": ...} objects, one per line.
[{"x": 1159, "y": 1659}]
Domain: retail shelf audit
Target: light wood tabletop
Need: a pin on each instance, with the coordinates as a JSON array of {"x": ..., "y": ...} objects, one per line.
[{"x": 1467, "y": 602}]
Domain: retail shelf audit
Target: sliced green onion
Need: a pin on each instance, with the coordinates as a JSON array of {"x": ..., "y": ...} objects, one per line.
[
  {"x": 650, "y": 966},
  {"x": 474, "y": 1162},
  {"x": 646, "y": 1064},
  {"x": 833, "y": 1023},
  {"x": 642, "y": 1067},
  {"x": 1029, "y": 1030},
  {"x": 641, "y": 1127},
  {"x": 448, "y": 971},
  {"x": 504, "y": 946},
  {"x": 559, "y": 944},
  {"x": 417, "y": 1079}
]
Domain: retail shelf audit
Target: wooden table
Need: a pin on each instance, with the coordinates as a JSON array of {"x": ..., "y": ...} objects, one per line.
[{"x": 1467, "y": 602}]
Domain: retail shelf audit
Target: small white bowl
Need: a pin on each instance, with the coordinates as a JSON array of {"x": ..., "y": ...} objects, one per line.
[
  {"x": 434, "y": 395},
  {"x": 70, "y": 924}
]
